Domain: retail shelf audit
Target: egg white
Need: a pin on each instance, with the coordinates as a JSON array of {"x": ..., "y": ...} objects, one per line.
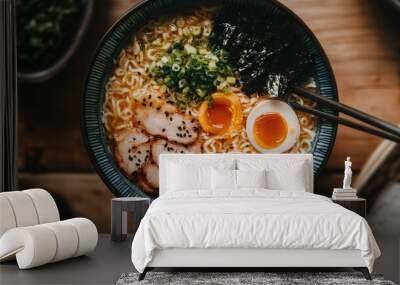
[{"x": 287, "y": 113}]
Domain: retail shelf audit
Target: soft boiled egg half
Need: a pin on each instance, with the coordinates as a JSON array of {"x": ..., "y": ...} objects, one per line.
[
  {"x": 272, "y": 127},
  {"x": 221, "y": 116}
]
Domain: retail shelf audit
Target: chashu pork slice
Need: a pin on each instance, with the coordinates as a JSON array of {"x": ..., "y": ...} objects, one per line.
[
  {"x": 166, "y": 122},
  {"x": 133, "y": 159},
  {"x": 132, "y": 138},
  {"x": 132, "y": 151},
  {"x": 163, "y": 146}
]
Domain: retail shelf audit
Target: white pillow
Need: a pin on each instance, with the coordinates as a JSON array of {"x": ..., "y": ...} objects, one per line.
[
  {"x": 282, "y": 174},
  {"x": 251, "y": 178},
  {"x": 181, "y": 177},
  {"x": 223, "y": 179},
  {"x": 293, "y": 180},
  {"x": 227, "y": 179}
]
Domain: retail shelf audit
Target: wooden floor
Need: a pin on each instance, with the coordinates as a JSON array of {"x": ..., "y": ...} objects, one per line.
[{"x": 358, "y": 36}]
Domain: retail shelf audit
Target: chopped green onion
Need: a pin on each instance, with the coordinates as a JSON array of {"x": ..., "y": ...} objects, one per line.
[
  {"x": 212, "y": 65},
  {"x": 190, "y": 49},
  {"x": 182, "y": 83},
  {"x": 176, "y": 67},
  {"x": 231, "y": 80},
  {"x": 164, "y": 59},
  {"x": 193, "y": 71}
]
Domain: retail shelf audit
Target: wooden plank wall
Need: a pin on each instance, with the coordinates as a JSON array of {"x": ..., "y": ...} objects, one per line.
[{"x": 358, "y": 36}]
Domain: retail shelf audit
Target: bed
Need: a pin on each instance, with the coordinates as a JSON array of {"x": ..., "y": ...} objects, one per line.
[{"x": 267, "y": 217}]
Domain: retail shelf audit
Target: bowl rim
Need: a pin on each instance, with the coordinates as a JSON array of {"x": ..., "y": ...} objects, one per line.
[{"x": 319, "y": 161}]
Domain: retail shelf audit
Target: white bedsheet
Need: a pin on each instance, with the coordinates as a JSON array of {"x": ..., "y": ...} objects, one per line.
[{"x": 253, "y": 218}]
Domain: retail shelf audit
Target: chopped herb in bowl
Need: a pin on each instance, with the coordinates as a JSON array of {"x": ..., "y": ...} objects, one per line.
[
  {"x": 194, "y": 72},
  {"x": 44, "y": 30}
]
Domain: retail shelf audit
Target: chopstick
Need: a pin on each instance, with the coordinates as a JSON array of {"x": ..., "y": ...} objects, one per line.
[
  {"x": 345, "y": 122},
  {"x": 364, "y": 117}
]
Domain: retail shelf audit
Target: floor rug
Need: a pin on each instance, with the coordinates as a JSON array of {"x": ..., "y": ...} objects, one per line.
[{"x": 244, "y": 278}]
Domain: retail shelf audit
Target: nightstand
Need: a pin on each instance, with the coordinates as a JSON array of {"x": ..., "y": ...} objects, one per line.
[
  {"x": 119, "y": 209},
  {"x": 357, "y": 205}
]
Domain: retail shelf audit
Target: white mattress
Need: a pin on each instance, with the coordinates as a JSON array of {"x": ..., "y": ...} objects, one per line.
[{"x": 252, "y": 219}]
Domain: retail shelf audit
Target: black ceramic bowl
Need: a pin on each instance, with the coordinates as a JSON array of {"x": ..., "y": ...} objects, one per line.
[
  {"x": 120, "y": 34},
  {"x": 46, "y": 73}
]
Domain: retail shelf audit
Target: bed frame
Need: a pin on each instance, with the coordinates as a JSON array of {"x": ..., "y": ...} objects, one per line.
[
  {"x": 243, "y": 259},
  {"x": 250, "y": 258}
]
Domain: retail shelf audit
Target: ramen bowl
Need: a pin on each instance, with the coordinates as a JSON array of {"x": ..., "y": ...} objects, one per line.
[{"x": 112, "y": 159}]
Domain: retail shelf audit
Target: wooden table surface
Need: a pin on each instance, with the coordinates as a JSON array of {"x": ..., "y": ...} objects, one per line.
[{"x": 358, "y": 36}]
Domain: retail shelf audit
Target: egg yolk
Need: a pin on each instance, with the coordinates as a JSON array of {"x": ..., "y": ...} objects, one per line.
[
  {"x": 222, "y": 115},
  {"x": 270, "y": 130},
  {"x": 219, "y": 116}
]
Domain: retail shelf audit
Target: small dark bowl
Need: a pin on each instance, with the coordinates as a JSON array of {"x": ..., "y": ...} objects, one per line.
[
  {"x": 120, "y": 34},
  {"x": 47, "y": 73}
]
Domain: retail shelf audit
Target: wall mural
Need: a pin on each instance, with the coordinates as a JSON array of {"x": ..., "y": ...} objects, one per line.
[{"x": 181, "y": 87}]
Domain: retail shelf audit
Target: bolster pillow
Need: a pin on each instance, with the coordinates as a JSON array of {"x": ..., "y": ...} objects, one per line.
[{"x": 40, "y": 244}]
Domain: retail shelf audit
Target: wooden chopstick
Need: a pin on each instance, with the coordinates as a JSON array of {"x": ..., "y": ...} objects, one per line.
[
  {"x": 345, "y": 122},
  {"x": 364, "y": 117}
]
